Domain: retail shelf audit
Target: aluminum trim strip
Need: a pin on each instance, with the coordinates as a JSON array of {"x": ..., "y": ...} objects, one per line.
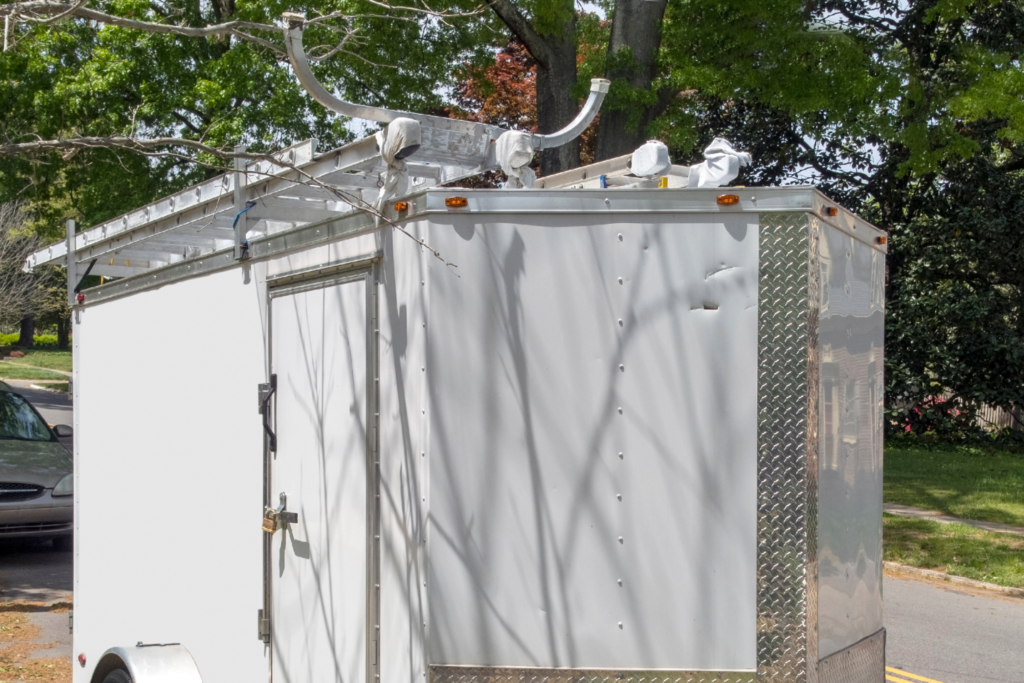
[
  {"x": 319, "y": 283},
  {"x": 862, "y": 662},
  {"x": 372, "y": 422},
  {"x": 335, "y": 269},
  {"x": 264, "y": 249},
  {"x": 783, "y": 589},
  {"x": 813, "y": 401},
  {"x": 488, "y": 674},
  {"x": 593, "y": 200}
]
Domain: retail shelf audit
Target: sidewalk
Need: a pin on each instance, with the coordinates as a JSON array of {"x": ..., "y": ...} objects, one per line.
[{"x": 918, "y": 513}]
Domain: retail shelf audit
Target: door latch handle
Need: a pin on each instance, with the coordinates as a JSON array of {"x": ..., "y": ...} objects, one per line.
[
  {"x": 279, "y": 518},
  {"x": 267, "y": 392}
]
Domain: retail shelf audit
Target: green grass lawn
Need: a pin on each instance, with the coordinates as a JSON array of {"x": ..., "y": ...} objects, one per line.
[
  {"x": 970, "y": 483},
  {"x": 955, "y": 549},
  {"x": 54, "y": 360},
  {"x": 13, "y": 371}
]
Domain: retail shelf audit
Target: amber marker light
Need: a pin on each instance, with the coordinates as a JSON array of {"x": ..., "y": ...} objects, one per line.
[
  {"x": 728, "y": 199},
  {"x": 456, "y": 202},
  {"x": 882, "y": 239},
  {"x": 831, "y": 211},
  {"x": 401, "y": 206}
]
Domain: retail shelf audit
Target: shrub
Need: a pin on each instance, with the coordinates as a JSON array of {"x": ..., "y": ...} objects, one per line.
[{"x": 42, "y": 341}]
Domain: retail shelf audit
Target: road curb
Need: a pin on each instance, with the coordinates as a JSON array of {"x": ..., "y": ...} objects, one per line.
[{"x": 963, "y": 581}]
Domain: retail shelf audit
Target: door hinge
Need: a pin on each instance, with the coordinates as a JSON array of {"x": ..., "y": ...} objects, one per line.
[{"x": 264, "y": 628}]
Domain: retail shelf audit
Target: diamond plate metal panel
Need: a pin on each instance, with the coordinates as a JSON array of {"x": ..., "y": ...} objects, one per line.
[
  {"x": 862, "y": 662},
  {"x": 786, "y": 599},
  {"x": 485, "y": 674}
]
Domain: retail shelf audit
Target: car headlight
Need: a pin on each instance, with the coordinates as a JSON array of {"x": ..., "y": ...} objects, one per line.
[{"x": 66, "y": 486}]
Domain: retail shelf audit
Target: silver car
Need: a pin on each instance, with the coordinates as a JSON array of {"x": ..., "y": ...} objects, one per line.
[{"x": 36, "y": 480}]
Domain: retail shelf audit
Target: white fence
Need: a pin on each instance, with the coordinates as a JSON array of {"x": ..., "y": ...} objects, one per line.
[{"x": 995, "y": 419}]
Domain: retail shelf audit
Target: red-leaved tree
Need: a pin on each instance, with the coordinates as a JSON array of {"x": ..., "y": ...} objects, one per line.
[{"x": 505, "y": 94}]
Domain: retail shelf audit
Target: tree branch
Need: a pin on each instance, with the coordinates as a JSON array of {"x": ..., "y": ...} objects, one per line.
[
  {"x": 524, "y": 30},
  {"x": 185, "y": 122},
  {"x": 34, "y": 10},
  {"x": 12, "y": 149},
  {"x": 853, "y": 177}
]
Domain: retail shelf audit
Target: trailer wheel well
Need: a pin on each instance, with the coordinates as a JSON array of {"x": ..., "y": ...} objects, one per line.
[
  {"x": 149, "y": 664},
  {"x": 109, "y": 662}
]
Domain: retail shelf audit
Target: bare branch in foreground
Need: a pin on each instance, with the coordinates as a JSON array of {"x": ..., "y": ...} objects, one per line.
[
  {"x": 48, "y": 12},
  {"x": 18, "y": 291},
  {"x": 144, "y": 146},
  {"x": 45, "y": 11}
]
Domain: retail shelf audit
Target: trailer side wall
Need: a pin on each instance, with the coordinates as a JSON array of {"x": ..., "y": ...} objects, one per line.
[{"x": 592, "y": 384}]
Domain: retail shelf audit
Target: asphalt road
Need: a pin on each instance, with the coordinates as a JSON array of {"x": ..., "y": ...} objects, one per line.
[
  {"x": 55, "y": 407},
  {"x": 33, "y": 570},
  {"x": 952, "y": 636}
]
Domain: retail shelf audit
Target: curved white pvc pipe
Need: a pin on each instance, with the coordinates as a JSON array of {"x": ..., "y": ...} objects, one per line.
[
  {"x": 300, "y": 64},
  {"x": 598, "y": 89}
]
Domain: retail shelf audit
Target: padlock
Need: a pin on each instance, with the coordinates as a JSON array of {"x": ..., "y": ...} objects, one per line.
[
  {"x": 279, "y": 518},
  {"x": 270, "y": 521}
]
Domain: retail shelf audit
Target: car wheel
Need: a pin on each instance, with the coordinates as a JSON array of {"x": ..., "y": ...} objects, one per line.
[
  {"x": 63, "y": 544},
  {"x": 118, "y": 676}
]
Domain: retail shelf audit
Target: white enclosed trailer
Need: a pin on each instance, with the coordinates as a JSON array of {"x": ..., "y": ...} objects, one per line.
[
  {"x": 601, "y": 435},
  {"x": 605, "y": 430}
]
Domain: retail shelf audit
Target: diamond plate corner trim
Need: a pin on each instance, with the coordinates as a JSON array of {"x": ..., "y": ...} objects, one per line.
[
  {"x": 489, "y": 674},
  {"x": 786, "y": 598},
  {"x": 862, "y": 662}
]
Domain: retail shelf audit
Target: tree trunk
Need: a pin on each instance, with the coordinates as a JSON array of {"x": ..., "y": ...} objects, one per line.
[
  {"x": 633, "y": 58},
  {"x": 555, "y": 54},
  {"x": 27, "y": 338},
  {"x": 556, "y": 107},
  {"x": 63, "y": 328}
]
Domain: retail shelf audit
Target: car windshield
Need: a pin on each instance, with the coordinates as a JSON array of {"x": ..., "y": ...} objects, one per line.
[{"x": 19, "y": 421}]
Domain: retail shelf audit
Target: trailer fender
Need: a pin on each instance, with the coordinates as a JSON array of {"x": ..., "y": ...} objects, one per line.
[{"x": 170, "y": 663}]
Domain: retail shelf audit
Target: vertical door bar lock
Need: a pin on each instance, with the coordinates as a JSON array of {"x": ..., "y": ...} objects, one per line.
[
  {"x": 279, "y": 518},
  {"x": 267, "y": 392}
]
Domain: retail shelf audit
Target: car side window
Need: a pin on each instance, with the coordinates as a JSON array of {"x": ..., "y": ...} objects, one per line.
[{"x": 19, "y": 421}]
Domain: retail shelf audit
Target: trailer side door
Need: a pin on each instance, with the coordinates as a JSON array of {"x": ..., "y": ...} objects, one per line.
[{"x": 321, "y": 567}]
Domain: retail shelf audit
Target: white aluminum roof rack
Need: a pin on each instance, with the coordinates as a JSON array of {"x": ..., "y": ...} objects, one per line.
[{"x": 293, "y": 187}]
